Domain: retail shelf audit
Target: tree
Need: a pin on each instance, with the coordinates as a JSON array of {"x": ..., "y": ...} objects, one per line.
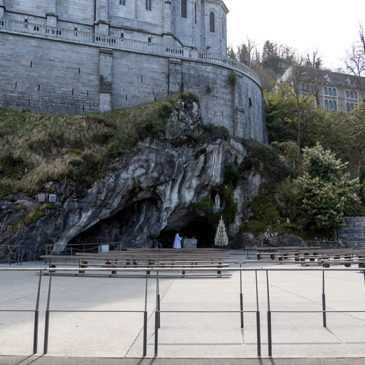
[
  {"x": 313, "y": 63},
  {"x": 231, "y": 53},
  {"x": 297, "y": 77},
  {"x": 282, "y": 110},
  {"x": 269, "y": 51},
  {"x": 355, "y": 63},
  {"x": 246, "y": 52},
  {"x": 328, "y": 194}
]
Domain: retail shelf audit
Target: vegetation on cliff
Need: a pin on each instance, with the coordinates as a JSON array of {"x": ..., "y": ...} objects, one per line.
[
  {"x": 325, "y": 175},
  {"x": 37, "y": 148}
]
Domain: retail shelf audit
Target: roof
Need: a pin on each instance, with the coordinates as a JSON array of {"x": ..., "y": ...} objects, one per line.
[
  {"x": 219, "y": 2},
  {"x": 329, "y": 77}
]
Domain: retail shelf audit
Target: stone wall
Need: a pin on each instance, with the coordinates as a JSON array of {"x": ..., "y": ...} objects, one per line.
[
  {"x": 48, "y": 76},
  {"x": 353, "y": 234},
  {"x": 49, "y": 64}
]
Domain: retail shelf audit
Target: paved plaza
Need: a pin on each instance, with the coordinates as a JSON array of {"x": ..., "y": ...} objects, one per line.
[{"x": 188, "y": 335}]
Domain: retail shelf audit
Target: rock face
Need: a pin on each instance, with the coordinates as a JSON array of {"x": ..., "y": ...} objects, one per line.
[{"x": 149, "y": 190}]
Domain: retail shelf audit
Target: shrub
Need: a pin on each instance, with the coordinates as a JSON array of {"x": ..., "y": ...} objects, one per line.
[
  {"x": 232, "y": 174},
  {"x": 36, "y": 213},
  {"x": 215, "y": 132},
  {"x": 266, "y": 160},
  {"x": 232, "y": 78}
]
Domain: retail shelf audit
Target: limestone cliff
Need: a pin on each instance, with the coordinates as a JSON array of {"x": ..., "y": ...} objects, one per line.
[{"x": 151, "y": 189}]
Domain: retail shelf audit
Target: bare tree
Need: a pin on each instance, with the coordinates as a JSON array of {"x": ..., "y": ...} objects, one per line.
[
  {"x": 297, "y": 79},
  {"x": 246, "y": 52},
  {"x": 355, "y": 63},
  {"x": 313, "y": 63}
]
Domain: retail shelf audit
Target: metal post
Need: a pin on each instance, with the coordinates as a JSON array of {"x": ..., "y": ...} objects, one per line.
[
  {"x": 241, "y": 298},
  {"x": 156, "y": 334},
  {"x": 158, "y": 303},
  {"x": 9, "y": 255},
  {"x": 36, "y": 316},
  {"x": 46, "y": 326},
  {"x": 258, "y": 324},
  {"x": 145, "y": 320},
  {"x": 157, "y": 312},
  {"x": 324, "y": 301},
  {"x": 269, "y": 333}
]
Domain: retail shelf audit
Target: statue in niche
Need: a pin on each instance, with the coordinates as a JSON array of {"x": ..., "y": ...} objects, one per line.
[{"x": 217, "y": 202}]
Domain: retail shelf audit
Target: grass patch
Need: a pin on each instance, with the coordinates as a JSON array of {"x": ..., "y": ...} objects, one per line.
[
  {"x": 37, "y": 148},
  {"x": 36, "y": 213}
]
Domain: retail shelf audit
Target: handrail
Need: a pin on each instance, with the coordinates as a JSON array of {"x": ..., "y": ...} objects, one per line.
[{"x": 109, "y": 41}]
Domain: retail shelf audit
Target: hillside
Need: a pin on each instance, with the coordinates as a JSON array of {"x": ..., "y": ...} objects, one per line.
[{"x": 133, "y": 176}]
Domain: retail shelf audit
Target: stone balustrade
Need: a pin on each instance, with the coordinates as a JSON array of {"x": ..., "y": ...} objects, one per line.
[{"x": 94, "y": 39}]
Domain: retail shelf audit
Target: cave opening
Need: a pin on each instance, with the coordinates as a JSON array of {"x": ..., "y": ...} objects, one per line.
[{"x": 198, "y": 229}]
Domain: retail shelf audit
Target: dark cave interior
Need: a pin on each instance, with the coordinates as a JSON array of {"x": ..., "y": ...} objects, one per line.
[
  {"x": 106, "y": 231},
  {"x": 199, "y": 229}
]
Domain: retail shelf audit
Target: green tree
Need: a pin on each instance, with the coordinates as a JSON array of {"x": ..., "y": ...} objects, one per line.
[
  {"x": 283, "y": 107},
  {"x": 328, "y": 194}
]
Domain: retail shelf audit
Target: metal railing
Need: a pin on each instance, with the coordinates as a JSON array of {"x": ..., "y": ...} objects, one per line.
[
  {"x": 12, "y": 254},
  {"x": 113, "y": 42},
  {"x": 49, "y": 311},
  {"x": 241, "y": 311},
  {"x": 35, "y": 311},
  {"x": 158, "y": 309},
  {"x": 324, "y": 310}
]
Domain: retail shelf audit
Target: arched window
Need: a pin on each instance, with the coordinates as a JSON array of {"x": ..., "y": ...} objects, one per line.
[
  {"x": 335, "y": 105},
  {"x": 325, "y": 91},
  {"x": 351, "y": 94},
  {"x": 334, "y": 92},
  {"x": 148, "y": 4},
  {"x": 347, "y": 93},
  {"x": 212, "y": 22},
  {"x": 355, "y": 94},
  {"x": 330, "y": 105},
  {"x": 184, "y": 9},
  {"x": 326, "y": 104}
]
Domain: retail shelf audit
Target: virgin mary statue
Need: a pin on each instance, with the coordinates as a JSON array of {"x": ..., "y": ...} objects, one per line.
[{"x": 177, "y": 241}]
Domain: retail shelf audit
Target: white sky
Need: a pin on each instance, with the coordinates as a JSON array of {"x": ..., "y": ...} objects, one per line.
[{"x": 329, "y": 26}]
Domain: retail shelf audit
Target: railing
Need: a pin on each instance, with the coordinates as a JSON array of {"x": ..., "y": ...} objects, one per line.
[
  {"x": 27, "y": 310},
  {"x": 82, "y": 37},
  {"x": 49, "y": 311},
  {"x": 76, "y": 248},
  {"x": 50, "y": 272},
  {"x": 158, "y": 311},
  {"x": 12, "y": 254}
]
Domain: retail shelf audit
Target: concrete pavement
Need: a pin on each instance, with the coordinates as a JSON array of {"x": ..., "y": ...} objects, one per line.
[
  {"x": 103, "y": 336},
  {"x": 49, "y": 360}
]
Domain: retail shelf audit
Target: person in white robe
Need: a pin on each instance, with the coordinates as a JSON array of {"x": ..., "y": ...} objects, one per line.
[{"x": 177, "y": 241}]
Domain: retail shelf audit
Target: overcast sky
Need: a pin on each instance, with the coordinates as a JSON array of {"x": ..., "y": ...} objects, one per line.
[{"x": 330, "y": 26}]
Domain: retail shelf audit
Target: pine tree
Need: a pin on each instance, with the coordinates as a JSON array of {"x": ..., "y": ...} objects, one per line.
[{"x": 221, "y": 238}]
